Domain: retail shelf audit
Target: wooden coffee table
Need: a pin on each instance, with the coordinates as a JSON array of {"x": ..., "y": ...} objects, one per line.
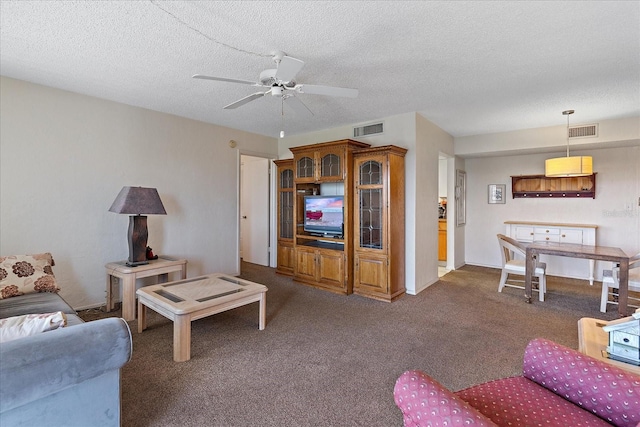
[{"x": 186, "y": 300}]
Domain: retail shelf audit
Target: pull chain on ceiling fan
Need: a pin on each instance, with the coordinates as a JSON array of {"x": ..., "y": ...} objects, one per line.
[{"x": 282, "y": 112}]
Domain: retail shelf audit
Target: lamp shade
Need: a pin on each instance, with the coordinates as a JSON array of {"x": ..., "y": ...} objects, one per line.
[
  {"x": 569, "y": 166},
  {"x": 138, "y": 201}
]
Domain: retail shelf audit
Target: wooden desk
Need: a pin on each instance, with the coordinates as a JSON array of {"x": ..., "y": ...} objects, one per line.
[
  {"x": 592, "y": 341},
  {"x": 160, "y": 267},
  {"x": 603, "y": 253}
]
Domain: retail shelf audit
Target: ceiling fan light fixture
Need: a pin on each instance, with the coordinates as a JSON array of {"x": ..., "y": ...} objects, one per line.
[{"x": 568, "y": 166}]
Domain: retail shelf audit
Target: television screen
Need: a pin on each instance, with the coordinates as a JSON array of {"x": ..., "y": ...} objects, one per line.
[{"x": 323, "y": 214}]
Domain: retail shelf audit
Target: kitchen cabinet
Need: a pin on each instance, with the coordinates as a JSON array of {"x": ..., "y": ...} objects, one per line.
[{"x": 442, "y": 240}]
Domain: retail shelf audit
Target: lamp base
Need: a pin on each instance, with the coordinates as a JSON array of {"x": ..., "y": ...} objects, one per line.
[
  {"x": 137, "y": 238},
  {"x": 136, "y": 264}
]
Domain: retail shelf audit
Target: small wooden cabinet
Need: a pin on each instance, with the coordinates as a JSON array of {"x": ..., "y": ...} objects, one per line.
[
  {"x": 442, "y": 240},
  {"x": 285, "y": 205},
  {"x": 324, "y": 162},
  {"x": 541, "y": 186},
  {"x": 320, "y": 266},
  {"x": 379, "y": 222}
]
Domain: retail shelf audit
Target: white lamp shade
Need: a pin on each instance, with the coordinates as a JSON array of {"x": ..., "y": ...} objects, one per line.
[{"x": 569, "y": 166}]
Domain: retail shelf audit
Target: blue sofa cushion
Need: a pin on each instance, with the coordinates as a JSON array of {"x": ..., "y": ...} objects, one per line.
[{"x": 41, "y": 365}]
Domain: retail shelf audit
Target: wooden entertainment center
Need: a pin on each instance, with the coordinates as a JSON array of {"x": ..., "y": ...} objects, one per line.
[{"x": 367, "y": 256}]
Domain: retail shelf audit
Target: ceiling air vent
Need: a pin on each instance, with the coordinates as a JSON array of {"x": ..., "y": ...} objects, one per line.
[
  {"x": 583, "y": 131},
  {"x": 374, "y": 129}
]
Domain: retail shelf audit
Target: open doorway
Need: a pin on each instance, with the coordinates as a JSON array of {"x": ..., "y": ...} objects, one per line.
[
  {"x": 254, "y": 209},
  {"x": 443, "y": 235}
]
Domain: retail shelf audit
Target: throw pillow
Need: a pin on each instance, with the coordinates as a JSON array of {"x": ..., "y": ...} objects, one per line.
[
  {"x": 16, "y": 327},
  {"x": 20, "y": 274}
]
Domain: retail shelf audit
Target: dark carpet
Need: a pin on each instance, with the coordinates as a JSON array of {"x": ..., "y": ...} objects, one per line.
[{"x": 332, "y": 360}]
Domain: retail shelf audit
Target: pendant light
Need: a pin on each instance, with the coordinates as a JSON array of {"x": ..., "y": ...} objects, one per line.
[{"x": 568, "y": 166}]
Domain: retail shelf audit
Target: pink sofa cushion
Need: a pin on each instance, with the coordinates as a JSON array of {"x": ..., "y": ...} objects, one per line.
[
  {"x": 425, "y": 402},
  {"x": 598, "y": 387},
  {"x": 517, "y": 401}
]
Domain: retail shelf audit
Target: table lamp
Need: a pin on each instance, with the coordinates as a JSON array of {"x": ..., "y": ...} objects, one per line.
[{"x": 138, "y": 202}]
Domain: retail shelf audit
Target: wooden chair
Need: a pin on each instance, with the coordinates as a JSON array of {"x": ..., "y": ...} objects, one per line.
[
  {"x": 509, "y": 248},
  {"x": 611, "y": 283}
]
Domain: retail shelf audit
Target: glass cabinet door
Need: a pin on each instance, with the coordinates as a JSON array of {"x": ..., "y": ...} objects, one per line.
[
  {"x": 286, "y": 179},
  {"x": 370, "y": 173},
  {"x": 371, "y": 219},
  {"x": 286, "y": 204},
  {"x": 330, "y": 166},
  {"x": 370, "y": 213},
  {"x": 305, "y": 167}
]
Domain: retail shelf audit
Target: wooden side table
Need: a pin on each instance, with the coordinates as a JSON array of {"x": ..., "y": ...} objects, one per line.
[
  {"x": 592, "y": 341},
  {"x": 160, "y": 267}
]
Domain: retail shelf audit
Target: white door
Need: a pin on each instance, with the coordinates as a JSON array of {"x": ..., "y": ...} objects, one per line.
[{"x": 254, "y": 210}]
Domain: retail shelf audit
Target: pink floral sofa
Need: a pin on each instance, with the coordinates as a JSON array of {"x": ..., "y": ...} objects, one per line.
[{"x": 558, "y": 387}]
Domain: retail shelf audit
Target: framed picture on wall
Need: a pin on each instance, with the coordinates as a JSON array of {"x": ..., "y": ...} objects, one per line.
[
  {"x": 461, "y": 195},
  {"x": 496, "y": 193}
]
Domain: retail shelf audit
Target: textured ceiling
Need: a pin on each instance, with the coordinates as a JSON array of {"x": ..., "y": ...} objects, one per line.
[{"x": 470, "y": 67}]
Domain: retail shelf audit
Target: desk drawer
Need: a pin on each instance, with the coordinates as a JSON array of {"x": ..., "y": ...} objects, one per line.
[
  {"x": 625, "y": 338},
  {"x": 546, "y": 234},
  {"x": 571, "y": 236},
  {"x": 547, "y": 231},
  {"x": 524, "y": 234},
  {"x": 546, "y": 237}
]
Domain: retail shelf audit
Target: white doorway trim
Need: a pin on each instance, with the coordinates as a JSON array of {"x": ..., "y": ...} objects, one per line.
[{"x": 271, "y": 208}]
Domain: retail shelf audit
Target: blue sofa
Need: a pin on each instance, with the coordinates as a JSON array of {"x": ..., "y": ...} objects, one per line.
[{"x": 66, "y": 377}]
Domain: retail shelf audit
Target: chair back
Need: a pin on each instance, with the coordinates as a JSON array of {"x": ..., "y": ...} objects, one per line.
[{"x": 509, "y": 247}]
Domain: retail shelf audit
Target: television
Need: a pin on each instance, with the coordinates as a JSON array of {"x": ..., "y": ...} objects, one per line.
[{"x": 324, "y": 215}]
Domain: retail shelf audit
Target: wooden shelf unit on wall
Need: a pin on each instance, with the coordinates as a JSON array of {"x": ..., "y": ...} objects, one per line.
[{"x": 532, "y": 186}]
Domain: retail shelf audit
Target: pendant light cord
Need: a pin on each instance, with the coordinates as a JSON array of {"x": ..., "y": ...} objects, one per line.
[{"x": 568, "y": 113}]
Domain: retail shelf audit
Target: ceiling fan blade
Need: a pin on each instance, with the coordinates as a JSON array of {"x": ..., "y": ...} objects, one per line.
[
  {"x": 288, "y": 68},
  {"x": 245, "y": 100},
  {"x": 223, "y": 79},
  {"x": 297, "y": 106},
  {"x": 327, "y": 90}
]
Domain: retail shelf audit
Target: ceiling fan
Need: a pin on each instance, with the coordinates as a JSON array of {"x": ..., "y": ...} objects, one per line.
[{"x": 280, "y": 82}]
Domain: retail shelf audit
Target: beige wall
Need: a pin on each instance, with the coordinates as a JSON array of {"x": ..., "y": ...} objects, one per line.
[
  {"x": 430, "y": 142},
  {"x": 553, "y": 139},
  {"x": 615, "y": 209},
  {"x": 63, "y": 159}
]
